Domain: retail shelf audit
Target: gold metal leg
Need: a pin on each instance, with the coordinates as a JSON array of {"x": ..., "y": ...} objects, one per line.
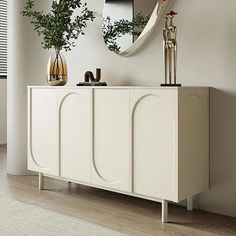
[
  {"x": 164, "y": 215},
  {"x": 41, "y": 181},
  {"x": 190, "y": 204}
]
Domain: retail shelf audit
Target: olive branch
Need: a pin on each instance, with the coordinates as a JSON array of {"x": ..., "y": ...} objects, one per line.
[
  {"x": 60, "y": 27},
  {"x": 112, "y": 30}
]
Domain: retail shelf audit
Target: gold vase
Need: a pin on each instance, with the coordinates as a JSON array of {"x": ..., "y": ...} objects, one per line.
[{"x": 57, "y": 69}]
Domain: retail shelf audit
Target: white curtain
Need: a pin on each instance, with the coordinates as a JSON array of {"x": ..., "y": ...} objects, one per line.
[{"x": 3, "y": 38}]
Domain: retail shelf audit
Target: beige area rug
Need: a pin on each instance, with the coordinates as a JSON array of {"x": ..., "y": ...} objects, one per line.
[{"x": 17, "y": 218}]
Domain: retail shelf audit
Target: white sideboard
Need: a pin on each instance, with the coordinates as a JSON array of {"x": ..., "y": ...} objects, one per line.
[{"x": 148, "y": 142}]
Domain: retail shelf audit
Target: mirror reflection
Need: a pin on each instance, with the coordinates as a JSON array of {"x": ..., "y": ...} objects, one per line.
[{"x": 128, "y": 23}]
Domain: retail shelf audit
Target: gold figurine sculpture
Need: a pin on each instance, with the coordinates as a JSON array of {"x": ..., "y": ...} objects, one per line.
[{"x": 170, "y": 50}]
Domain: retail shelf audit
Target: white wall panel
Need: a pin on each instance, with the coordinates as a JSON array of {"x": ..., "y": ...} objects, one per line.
[{"x": 3, "y": 111}]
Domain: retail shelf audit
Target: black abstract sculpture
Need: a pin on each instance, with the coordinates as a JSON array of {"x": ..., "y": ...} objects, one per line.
[
  {"x": 90, "y": 80},
  {"x": 89, "y": 77}
]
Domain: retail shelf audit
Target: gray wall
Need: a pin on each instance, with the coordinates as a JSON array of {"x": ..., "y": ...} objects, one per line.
[{"x": 206, "y": 39}]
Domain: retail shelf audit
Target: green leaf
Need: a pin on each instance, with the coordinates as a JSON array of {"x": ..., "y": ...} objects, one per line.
[{"x": 61, "y": 27}]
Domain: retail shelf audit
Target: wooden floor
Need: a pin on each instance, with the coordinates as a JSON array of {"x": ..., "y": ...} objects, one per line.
[{"x": 115, "y": 211}]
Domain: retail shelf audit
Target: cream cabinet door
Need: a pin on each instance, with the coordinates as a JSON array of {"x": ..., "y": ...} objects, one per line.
[
  {"x": 43, "y": 143},
  {"x": 154, "y": 142},
  {"x": 75, "y": 133},
  {"x": 111, "y": 163}
]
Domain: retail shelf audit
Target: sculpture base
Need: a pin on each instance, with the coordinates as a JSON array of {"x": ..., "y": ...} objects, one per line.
[
  {"x": 92, "y": 84},
  {"x": 171, "y": 85}
]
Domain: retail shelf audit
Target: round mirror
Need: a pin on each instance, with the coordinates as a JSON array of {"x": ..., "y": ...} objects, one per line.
[{"x": 127, "y": 24}]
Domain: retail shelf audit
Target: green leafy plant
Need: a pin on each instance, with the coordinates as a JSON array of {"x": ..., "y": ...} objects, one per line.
[
  {"x": 60, "y": 27},
  {"x": 112, "y": 30}
]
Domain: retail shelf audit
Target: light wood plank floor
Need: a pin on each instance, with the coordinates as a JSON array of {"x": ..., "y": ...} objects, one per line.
[{"x": 115, "y": 211}]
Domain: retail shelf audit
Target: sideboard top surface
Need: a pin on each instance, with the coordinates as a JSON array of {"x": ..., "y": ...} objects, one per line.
[{"x": 119, "y": 87}]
